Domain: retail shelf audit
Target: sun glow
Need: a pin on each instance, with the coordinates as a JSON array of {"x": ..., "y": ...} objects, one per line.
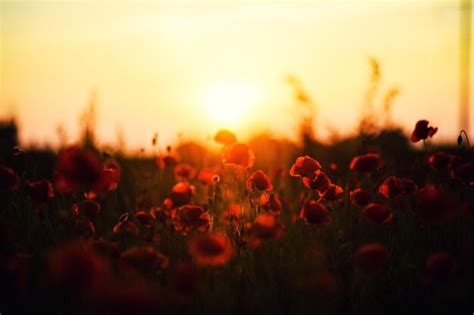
[{"x": 228, "y": 102}]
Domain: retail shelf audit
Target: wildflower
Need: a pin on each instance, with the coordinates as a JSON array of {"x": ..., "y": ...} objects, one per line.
[
  {"x": 422, "y": 131},
  {"x": 184, "y": 172},
  {"x": 238, "y": 154},
  {"x": 206, "y": 175},
  {"x": 189, "y": 217},
  {"x": 315, "y": 213},
  {"x": 259, "y": 181},
  {"x": 225, "y": 137},
  {"x": 366, "y": 163},
  {"x": 144, "y": 218},
  {"x": 110, "y": 175},
  {"x": 164, "y": 212},
  {"x": 125, "y": 227},
  {"x": 181, "y": 194},
  {"x": 305, "y": 166},
  {"x": 333, "y": 192},
  {"x": 378, "y": 213},
  {"x": 210, "y": 249},
  {"x": 391, "y": 187},
  {"x": 78, "y": 170},
  {"x": 409, "y": 186},
  {"x": 360, "y": 197},
  {"x": 372, "y": 258},
  {"x": 320, "y": 182}
]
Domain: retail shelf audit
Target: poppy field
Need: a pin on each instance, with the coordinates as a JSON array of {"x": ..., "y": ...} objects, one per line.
[{"x": 372, "y": 224}]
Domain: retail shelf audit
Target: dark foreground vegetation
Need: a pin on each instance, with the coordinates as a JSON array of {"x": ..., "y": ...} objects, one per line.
[{"x": 365, "y": 225}]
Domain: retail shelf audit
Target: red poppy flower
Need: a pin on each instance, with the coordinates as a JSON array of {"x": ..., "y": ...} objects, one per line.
[
  {"x": 360, "y": 197},
  {"x": 378, "y": 213},
  {"x": 184, "y": 172},
  {"x": 259, "y": 181},
  {"x": 185, "y": 282},
  {"x": 40, "y": 191},
  {"x": 189, "y": 217},
  {"x": 78, "y": 170},
  {"x": 422, "y": 131},
  {"x": 464, "y": 173},
  {"x": 333, "y": 192},
  {"x": 181, "y": 194},
  {"x": 440, "y": 160},
  {"x": 239, "y": 154},
  {"x": 225, "y": 137},
  {"x": 164, "y": 212},
  {"x": 305, "y": 167},
  {"x": 271, "y": 204},
  {"x": 315, "y": 213},
  {"x": 125, "y": 227},
  {"x": 435, "y": 204},
  {"x": 206, "y": 175},
  {"x": 320, "y": 182},
  {"x": 440, "y": 266},
  {"x": 409, "y": 186},
  {"x": 264, "y": 227},
  {"x": 87, "y": 208},
  {"x": 372, "y": 258},
  {"x": 145, "y": 218},
  {"x": 210, "y": 249},
  {"x": 391, "y": 187},
  {"x": 366, "y": 163},
  {"x": 145, "y": 258},
  {"x": 110, "y": 175},
  {"x": 8, "y": 179}
]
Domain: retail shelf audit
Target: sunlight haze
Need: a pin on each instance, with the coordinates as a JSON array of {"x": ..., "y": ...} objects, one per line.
[{"x": 164, "y": 67}]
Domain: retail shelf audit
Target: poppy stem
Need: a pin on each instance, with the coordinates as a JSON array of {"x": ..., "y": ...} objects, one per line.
[
  {"x": 465, "y": 136},
  {"x": 426, "y": 146}
]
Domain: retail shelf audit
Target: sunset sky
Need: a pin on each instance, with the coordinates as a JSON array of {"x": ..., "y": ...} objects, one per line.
[{"x": 166, "y": 66}]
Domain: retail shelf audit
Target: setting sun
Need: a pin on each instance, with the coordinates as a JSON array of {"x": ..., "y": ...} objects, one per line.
[{"x": 228, "y": 102}]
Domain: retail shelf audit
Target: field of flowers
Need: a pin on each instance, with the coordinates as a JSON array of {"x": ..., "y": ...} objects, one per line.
[{"x": 370, "y": 225}]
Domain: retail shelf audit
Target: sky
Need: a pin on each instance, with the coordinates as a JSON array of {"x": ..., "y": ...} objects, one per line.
[{"x": 167, "y": 66}]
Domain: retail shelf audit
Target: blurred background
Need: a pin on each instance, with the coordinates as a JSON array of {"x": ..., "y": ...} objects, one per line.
[{"x": 185, "y": 69}]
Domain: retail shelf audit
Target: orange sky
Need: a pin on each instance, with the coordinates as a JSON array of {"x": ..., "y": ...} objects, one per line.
[{"x": 153, "y": 64}]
